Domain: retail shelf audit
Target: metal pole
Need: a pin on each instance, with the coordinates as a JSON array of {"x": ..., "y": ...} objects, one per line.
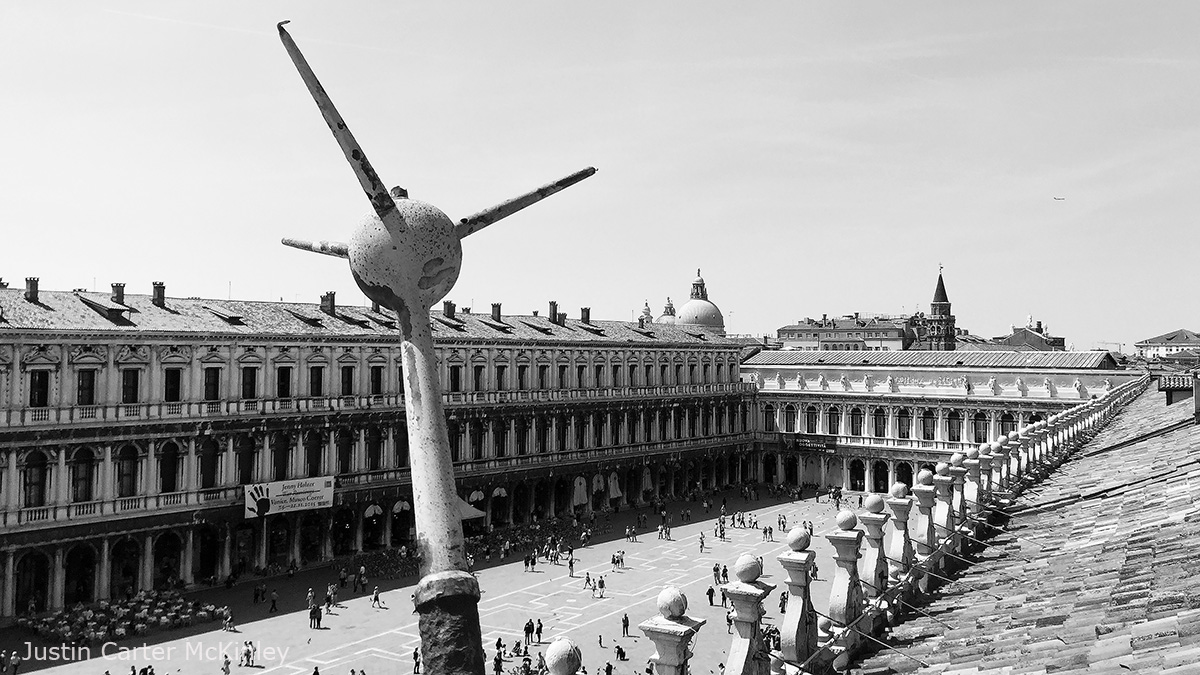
[{"x": 915, "y": 609}]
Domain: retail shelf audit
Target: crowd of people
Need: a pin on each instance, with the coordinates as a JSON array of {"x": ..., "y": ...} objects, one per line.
[{"x": 144, "y": 612}]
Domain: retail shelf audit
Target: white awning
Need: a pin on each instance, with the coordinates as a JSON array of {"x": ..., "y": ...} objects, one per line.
[
  {"x": 499, "y": 492},
  {"x": 401, "y": 505},
  {"x": 581, "y": 494},
  {"x": 475, "y": 496},
  {"x": 468, "y": 512},
  {"x": 647, "y": 484},
  {"x": 373, "y": 510},
  {"x": 614, "y": 486},
  {"x": 597, "y": 483}
]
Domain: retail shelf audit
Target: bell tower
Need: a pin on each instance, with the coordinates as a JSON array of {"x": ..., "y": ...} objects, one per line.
[{"x": 941, "y": 321}]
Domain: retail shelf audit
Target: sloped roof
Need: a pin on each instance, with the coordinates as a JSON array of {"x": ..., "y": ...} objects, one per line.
[
  {"x": 927, "y": 359},
  {"x": 1182, "y": 336},
  {"x": 1111, "y": 586},
  {"x": 61, "y": 311},
  {"x": 939, "y": 294},
  {"x": 847, "y": 323}
]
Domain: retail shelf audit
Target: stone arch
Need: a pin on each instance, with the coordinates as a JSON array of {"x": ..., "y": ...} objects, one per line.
[
  {"x": 245, "y": 451},
  {"x": 168, "y": 559},
  {"x": 522, "y": 503},
  {"x": 125, "y": 557},
  {"x": 904, "y": 473},
  {"x": 313, "y": 453},
  {"x": 36, "y": 479},
  {"x": 563, "y": 496},
  {"x": 856, "y": 421},
  {"x": 281, "y": 454},
  {"x": 499, "y": 501},
  {"x": 879, "y": 477},
  {"x": 835, "y": 475},
  {"x": 543, "y": 492},
  {"x": 208, "y": 547},
  {"x": 81, "y": 567},
  {"x": 342, "y": 532},
  {"x": 311, "y": 530},
  {"x": 83, "y": 475},
  {"x": 768, "y": 463},
  {"x": 403, "y": 523},
  {"x": 170, "y": 466},
  {"x": 812, "y": 418},
  {"x": 789, "y": 418},
  {"x": 858, "y": 475},
  {"x": 374, "y": 524},
  {"x": 32, "y": 582},
  {"x": 791, "y": 470}
]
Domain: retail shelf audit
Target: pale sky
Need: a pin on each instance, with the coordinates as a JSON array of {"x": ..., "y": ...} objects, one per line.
[{"x": 810, "y": 158}]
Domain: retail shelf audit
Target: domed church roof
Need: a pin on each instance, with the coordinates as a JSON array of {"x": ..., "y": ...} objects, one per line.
[
  {"x": 668, "y": 315},
  {"x": 699, "y": 311}
]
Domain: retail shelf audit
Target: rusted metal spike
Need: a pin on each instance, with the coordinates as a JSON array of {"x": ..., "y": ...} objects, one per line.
[
  {"x": 381, "y": 201},
  {"x": 334, "y": 248},
  {"x": 477, "y": 222}
]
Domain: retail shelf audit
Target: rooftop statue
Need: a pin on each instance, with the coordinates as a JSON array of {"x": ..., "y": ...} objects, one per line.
[{"x": 406, "y": 256}]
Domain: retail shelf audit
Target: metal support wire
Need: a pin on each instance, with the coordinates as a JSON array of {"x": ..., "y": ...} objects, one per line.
[
  {"x": 924, "y": 570},
  {"x": 1008, "y": 532},
  {"x": 977, "y": 541},
  {"x": 874, "y": 639},
  {"x": 984, "y": 567},
  {"x": 910, "y": 606}
]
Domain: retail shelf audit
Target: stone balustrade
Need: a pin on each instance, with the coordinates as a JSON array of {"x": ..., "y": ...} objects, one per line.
[
  {"x": 870, "y": 591},
  {"x": 671, "y": 632}
]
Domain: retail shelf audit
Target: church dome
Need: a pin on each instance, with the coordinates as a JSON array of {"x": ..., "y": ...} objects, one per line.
[
  {"x": 699, "y": 311},
  {"x": 668, "y": 315}
]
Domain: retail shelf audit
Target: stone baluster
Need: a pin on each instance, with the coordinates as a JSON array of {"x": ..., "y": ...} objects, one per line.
[
  {"x": 873, "y": 568},
  {"x": 922, "y": 531},
  {"x": 1000, "y": 464},
  {"x": 747, "y": 654},
  {"x": 944, "y": 534},
  {"x": 671, "y": 632},
  {"x": 900, "y": 550},
  {"x": 1014, "y": 459},
  {"x": 563, "y": 657},
  {"x": 845, "y": 598},
  {"x": 985, "y": 471},
  {"x": 971, "y": 493},
  {"x": 798, "y": 632},
  {"x": 958, "y": 504}
]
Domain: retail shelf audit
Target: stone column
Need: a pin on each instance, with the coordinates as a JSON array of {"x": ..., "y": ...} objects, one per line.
[
  {"x": 984, "y": 453},
  {"x": 10, "y": 583},
  {"x": 1000, "y": 464},
  {"x": 971, "y": 493},
  {"x": 260, "y": 557},
  {"x": 873, "y": 568},
  {"x": 1016, "y": 448},
  {"x": 58, "y": 584},
  {"x": 294, "y": 539},
  {"x": 747, "y": 595},
  {"x": 671, "y": 632},
  {"x": 146, "y": 576},
  {"x": 228, "y": 462},
  {"x": 190, "y": 484},
  {"x": 150, "y": 483},
  {"x": 296, "y": 467},
  {"x": 327, "y": 538},
  {"x": 225, "y": 564},
  {"x": 798, "y": 629},
  {"x": 106, "y": 476},
  {"x": 358, "y": 527},
  {"x": 189, "y": 555},
  {"x": 900, "y": 551},
  {"x": 943, "y": 514},
  {"x": 845, "y": 598},
  {"x": 958, "y": 504},
  {"x": 922, "y": 530},
  {"x": 104, "y": 583},
  {"x": 62, "y": 496}
]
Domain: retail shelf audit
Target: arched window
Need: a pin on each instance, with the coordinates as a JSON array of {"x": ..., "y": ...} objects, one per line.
[
  {"x": 810, "y": 419},
  {"x": 789, "y": 418},
  {"x": 904, "y": 423},
  {"x": 856, "y": 422},
  {"x": 36, "y": 479},
  {"x": 833, "y": 420},
  {"x": 979, "y": 428},
  {"x": 168, "y": 468},
  {"x": 954, "y": 427},
  {"x": 879, "y": 422},
  {"x": 928, "y": 425},
  {"x": 1008, "y": 423},
  {"x": 208, "y": 465},
  {"x": 127, "y": 472},
  {"x": 82, "y": 474}
]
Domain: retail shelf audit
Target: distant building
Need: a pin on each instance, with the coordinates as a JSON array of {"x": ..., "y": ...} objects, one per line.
[
  {"x": 848, "y": 333},
  {"x": 1032, "y": 336},
  {"x": 1167, "y": 344}
]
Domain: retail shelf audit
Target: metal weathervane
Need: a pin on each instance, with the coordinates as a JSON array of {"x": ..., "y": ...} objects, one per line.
[{"x": 406, "y": 256}]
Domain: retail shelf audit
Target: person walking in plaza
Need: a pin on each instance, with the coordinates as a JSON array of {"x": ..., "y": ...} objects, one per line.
[
  {"x": 274, "y": 601},
  {"x": 717, "y": 573},
  {"x": 571, "y": 567},
  {"x": 702, "y": 542},
  {"x": 724, "y": 574},
  {"x": 311, "y": 597},
  {"x": 711, "y": 594},
  {"x": 416, "y": 660},
  {"x": 537, "y": 631},
  {"x": 14, "y": 663},
  {"x": 375, "y": 601},
  {"x": 528, "y": 631},
  {"x": 225, "y": 666},
  {"x": 625, "y": 625},
  {"x": 600, "y": 586},
  {"x": 587, "y": 580},
  {"x": 498, "y": 664}
]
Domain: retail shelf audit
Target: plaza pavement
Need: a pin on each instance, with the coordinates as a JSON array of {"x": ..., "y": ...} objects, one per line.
[{"x": 381, "y": 641}]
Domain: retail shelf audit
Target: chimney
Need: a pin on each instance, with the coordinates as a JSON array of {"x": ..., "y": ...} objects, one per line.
[
  {"x": 1039, "y": 326},
  {"x": 553, "y": 314},
  {"x": 328, "y": 305},
  {"x": 496, "y": 312},
  {"x": 641, "y": 322},
  {"x": 118, "y": 294},
  {"x": 448, "y": 309},
  {"x": 562, "y": 319},
  {"x": 3, "y": 283},
  {"x": 535, "y": 312},
  {"x": 585, "y": 315},
  {"x": 31, "y": 291},
  {"x": 159, "y": 295},
  {"x": 374, "y": 307}
]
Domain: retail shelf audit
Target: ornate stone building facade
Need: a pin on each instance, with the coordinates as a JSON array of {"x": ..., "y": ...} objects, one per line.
[{"x": 131, "y": 424}]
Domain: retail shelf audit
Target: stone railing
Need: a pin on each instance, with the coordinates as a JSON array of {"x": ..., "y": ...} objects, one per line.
[{"x": 944, "y": 517}]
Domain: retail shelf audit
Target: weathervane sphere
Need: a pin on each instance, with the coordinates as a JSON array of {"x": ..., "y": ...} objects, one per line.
[{"x": 416, "y": 264}]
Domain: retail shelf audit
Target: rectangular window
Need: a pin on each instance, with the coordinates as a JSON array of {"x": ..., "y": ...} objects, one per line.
[
  {"x": 562, "y": 377},
  {"x": 347, "y": 380},
  {"x": 85, "y": 393},
  {"x": 678, "y": 375},
  {"x": 616, "y": 376},
  {"x": 501, "y": 377},
  {"x": 632, "y": 377},
  {"x": 249, "y": 383},
  {"x": 599, "y": 372},
  {"x": 580, "y": 377},
  {"x": 39, "y": 388},
  {"x": 522, "y": 377},
  {"x": 316, "y": 381},
  {"x": 455, "y": 378},
  {"x": 377, "y": 380},
  {"x": 283, "y": 382},
  {"x": 130, "y": 379},
  {"x": 212, "y": 384},
  {"x": 172, "y": 385},
  {"x": 647, "y": 374},
  {"x": 662, "y": 375},
  {"x": 543, "y": 377},
  {"x": 705, "y": 373},
  {"x": 477, "y": 378}
]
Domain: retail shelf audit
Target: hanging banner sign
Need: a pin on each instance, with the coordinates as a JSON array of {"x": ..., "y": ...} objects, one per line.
[{"x": 289, "y": 495}]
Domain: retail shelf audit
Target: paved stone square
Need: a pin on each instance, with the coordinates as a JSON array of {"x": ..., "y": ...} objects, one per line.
[{"x": 381, "y": 641}]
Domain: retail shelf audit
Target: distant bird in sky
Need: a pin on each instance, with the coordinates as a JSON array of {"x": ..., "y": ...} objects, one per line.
[{"x": 1060, "y": 199}]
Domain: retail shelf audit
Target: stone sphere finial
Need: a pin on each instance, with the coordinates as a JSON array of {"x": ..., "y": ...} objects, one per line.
[
  {"x": 1013, "y": 436},
  {"x": 799, "y": 538},
  {"x": 1002, "y": 439},
  {"x": 563, "y": 657},
  {"x": 996, "y": 447},
  {"x": 672, "y": 603},
  {"x": 899, "y": 490},
  {"x": 942, "y": 469},
  {"x": 985, "y": 447},
  {"x": 973, "y": 453},
  {"x": 925, "y": 477},
  {"x": 846, "y": 520},
  {"x": 873, "y": 503},
  {"x": 957, "y": 459},
  {"x": 747, "y": 568}
]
